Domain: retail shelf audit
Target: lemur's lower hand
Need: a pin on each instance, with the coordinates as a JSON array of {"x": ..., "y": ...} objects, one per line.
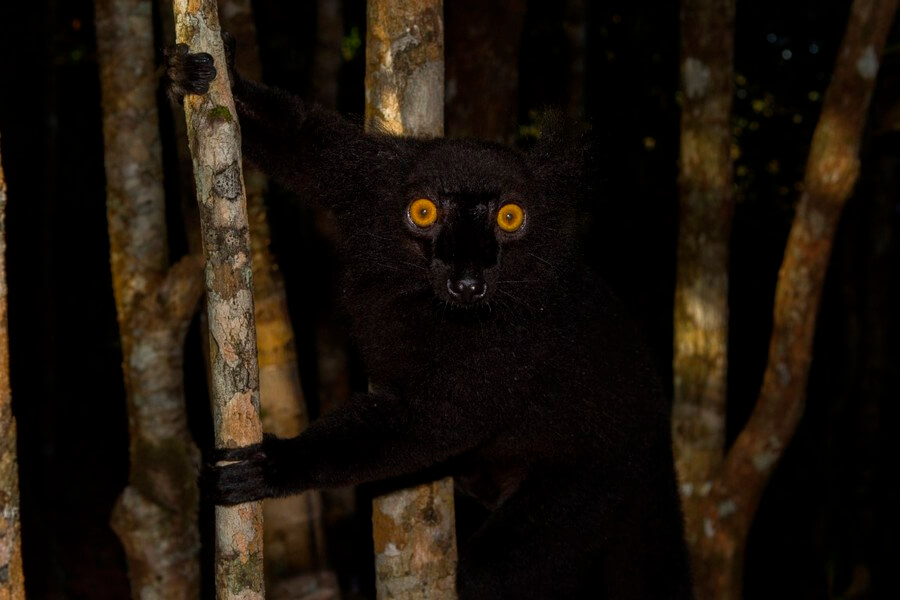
[{"x": 244, "y": 480}]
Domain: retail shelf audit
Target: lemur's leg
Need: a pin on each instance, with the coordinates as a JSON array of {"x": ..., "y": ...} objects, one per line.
[{"x": 527, "y": 548}]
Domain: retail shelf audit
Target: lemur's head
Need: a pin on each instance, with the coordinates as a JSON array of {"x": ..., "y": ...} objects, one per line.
[
  {"x": 471, "y": 225},
  {"x": 488, "y": 223}
]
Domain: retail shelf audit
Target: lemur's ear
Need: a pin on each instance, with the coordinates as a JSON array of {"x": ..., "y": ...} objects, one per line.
[{"x": 558, "y": 158}]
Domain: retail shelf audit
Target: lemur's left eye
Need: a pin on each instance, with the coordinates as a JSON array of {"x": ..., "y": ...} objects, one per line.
[
  {"x": 423, "y": 212},
  {"x": 510, "y": 217}
]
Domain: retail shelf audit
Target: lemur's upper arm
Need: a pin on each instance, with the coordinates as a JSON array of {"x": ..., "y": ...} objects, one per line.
[{"x": 310, "y": 150}]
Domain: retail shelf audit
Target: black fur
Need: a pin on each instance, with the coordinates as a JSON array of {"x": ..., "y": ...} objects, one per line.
[{"x": 538, "y": 398}]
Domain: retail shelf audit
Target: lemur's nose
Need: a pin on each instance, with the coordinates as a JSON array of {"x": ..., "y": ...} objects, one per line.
[{"x": 467, "y": 290}]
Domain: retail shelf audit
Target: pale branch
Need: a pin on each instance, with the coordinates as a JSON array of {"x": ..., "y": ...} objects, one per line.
[
  {"x": 155, "y": 517},
  {"x": 415, "y": 547},
  {"x": 182, "y": 290},
  {"x": 133, "y": 154},
  {"x": 293, "y": 533},
  {"x": 12, "y": 581},
  {"x": 831, "y": 173},
  {"x": 405, "y": 67},
  {"x": 214, "y": 135},
  {"x": 700, "y": 333}
]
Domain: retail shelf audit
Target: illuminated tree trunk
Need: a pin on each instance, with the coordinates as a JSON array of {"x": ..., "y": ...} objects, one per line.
[
  {"x": 831, "y": 172},
  {"x": 701, "y": 285},
  {"x": 12, "y": 580},
  {"x": 214, "y": 136},
  {"x": 294, "y": 538},
  {"x": 156, "y": 515},
  {"x": 413, "y": 528}
]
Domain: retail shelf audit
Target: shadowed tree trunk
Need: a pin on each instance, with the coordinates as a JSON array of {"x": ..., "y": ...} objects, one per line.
[
  {"x": 215, "y": 141},
  {"x": 327, "y": 56},
  {"x": 482, "y": 90},
  {"x": 575, "y": 24},
  {"x": 294, "y": 538},
  {"x": 156, "y": 515},
  {"x": 12, "y": 580},
  {"x": 701, "y": 285},
  {"x": 831, "y": 172},
  {"x": 415, "y": 528}
]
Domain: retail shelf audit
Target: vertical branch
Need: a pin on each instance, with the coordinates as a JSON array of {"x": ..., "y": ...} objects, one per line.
[
  {"x": 12, "y": 580},
  {"x": 483, "y": 68},
  {"x": 414, "y": 529},
  {"x": 293, "y": 534},
  {"x": 701, "y": 285},
  {"x": 831, "y": 173},
  {"x": 405, "y": 67},
  {"x": 575, "y": 22},
  {"x": 327, "y": 55},
  {"x": 214, "y": 136},
  {"x": 155, "y": 517}
]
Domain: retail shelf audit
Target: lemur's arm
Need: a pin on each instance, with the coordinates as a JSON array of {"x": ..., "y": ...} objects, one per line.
[
  {"x": 310, "y": 150},
  {"x": 373, "y": 437}
]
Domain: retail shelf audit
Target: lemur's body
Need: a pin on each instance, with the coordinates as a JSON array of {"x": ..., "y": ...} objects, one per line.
[{"x": 494, "y": 355}]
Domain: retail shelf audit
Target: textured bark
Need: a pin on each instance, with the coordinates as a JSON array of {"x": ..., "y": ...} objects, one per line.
[
  {"x": 405, "y": 67},
  {"x": 831, "y": 173},
  {"x": 701, "y": 285},
  {"x": 156, "y": 515},
  {"x": 414, "y": 529},
  {"x": 294, "y": 537},
  {"x": 482, "y": 89},
  {"x": 214, "y": 136},
  {"x": 12, "y": 580},
  {"x": 415, "y": 543},
  {"x": 187, "y": 196}
]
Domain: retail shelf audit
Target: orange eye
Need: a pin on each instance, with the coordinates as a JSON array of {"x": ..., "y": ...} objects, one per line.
[
  {"x": 423, "y": 212},
  {"x": 510, "y": 217}
]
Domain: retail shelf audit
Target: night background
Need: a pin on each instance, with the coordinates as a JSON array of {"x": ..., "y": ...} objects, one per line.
[{"x": 827, "y": 526}]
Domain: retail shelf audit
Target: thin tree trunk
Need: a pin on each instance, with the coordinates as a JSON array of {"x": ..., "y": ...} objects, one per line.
[
  {"x": 405, "y": 67},
  {"x": 575, "y": 22},
  {"x": 415, "y": 528},
  {"x": 156, "y": 515},
  {"x": 294, "y": 537},
  {"x": 214, "y": 136},
  {"x": 482, "y": 88},
  {"x": 327, "y": 56},
  {"x": 831, "y": 173},
  {"x": 12, "y": 579},
  {"x": 701, "y": 285},
  {"x": 332, "y": 363}
]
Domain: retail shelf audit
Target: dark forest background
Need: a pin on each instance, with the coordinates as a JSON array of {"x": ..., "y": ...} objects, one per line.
[{"x": 830, "y": 509}]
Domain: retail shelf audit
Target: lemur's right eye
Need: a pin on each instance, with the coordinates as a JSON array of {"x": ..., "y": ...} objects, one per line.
[
  {"x": 423, "y": 212},
  {"x": 510, "y": 217}
]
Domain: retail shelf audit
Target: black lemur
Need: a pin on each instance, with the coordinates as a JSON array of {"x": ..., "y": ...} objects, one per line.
[{"x": 493, "y": 353}]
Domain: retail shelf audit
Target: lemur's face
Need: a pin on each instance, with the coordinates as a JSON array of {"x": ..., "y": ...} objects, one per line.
[{"x": 467, "y": 214}]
